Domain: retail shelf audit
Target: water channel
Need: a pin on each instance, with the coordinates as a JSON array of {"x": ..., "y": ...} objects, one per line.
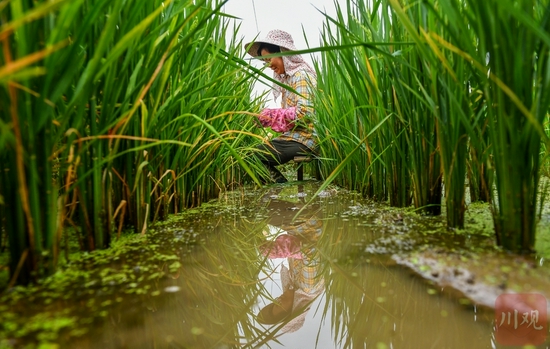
[{"x": 269, "y": 269}]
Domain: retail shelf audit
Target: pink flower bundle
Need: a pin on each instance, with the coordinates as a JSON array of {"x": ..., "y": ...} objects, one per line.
[{"x": 279, "y": 119}]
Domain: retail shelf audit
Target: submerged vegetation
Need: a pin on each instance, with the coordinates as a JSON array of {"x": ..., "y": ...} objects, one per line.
[{"x": 116, "y": 114}]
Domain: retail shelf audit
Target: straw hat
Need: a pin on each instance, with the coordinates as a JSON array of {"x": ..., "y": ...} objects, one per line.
[
  {"x": 296, "y": 315},
  {"x": 268, "y": 316},
  {"x": 275, "y": 37},
  {"x": 301, "y": 302}
]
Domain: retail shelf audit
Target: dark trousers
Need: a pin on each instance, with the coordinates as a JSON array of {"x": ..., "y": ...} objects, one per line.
[{"x": 278, "y": 152}]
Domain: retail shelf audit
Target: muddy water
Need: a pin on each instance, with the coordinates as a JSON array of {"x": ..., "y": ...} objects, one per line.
[{"x": 331, "y": 261}]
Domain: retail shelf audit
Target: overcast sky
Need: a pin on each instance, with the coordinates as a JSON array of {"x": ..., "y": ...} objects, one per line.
[
  {"x": 287, "y": 15},
  {"x": 261, "y": 16}
]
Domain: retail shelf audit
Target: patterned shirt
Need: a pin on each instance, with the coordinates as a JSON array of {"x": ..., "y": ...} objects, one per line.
[
  {"x": 304, "y": 272},
  {"x": 304, "y": 132}
]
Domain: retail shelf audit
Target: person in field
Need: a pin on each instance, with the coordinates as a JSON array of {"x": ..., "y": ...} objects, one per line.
[{"x": 294, "y": 120}]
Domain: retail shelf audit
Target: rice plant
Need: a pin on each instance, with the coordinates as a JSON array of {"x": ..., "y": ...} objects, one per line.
[
  {"x": 511, "y": 53},
  {"x": 461, "y": 98},
  {"x": 447, "y": 96},
  {"x": 355, "y": 120},
  {"x": 382, "y": 79},
  {"x": 115, "y": 113}
]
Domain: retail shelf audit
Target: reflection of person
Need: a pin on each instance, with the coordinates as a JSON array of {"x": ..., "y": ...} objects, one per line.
[
  {"x": 301, "y": 280},
  {"x": 295, "y": 117}
]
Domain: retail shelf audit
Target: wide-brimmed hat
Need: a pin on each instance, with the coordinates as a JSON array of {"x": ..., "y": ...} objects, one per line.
[
  {"x": 275, "y": 37},
  {"x": 295, "y": 316},
  {"x": 268, "y": 317}
]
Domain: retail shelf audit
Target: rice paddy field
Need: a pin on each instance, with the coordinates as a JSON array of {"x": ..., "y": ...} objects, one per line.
[{"x": 121, "y": 119}]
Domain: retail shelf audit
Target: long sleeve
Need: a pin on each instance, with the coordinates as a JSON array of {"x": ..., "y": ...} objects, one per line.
[{"x": 304, "y": 131}]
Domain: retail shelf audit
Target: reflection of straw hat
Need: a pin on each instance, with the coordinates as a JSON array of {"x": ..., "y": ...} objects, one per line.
[
  {"x": 300, "y": 307},
  {"x": 296, "y": 315},
  {"x": 275, "y": 312},
  {"x": 275, "y": 37}
]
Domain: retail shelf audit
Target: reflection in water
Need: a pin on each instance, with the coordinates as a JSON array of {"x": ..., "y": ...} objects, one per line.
[
  {"x": 266, "y": 278},
  {"x": 300, "y": 274}
]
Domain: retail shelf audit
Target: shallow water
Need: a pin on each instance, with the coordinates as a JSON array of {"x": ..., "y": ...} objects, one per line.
[{"x": 240, "y": 253}]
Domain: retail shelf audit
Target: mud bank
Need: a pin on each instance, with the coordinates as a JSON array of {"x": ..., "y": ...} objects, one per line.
[{"x": 481, "y": 277}]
